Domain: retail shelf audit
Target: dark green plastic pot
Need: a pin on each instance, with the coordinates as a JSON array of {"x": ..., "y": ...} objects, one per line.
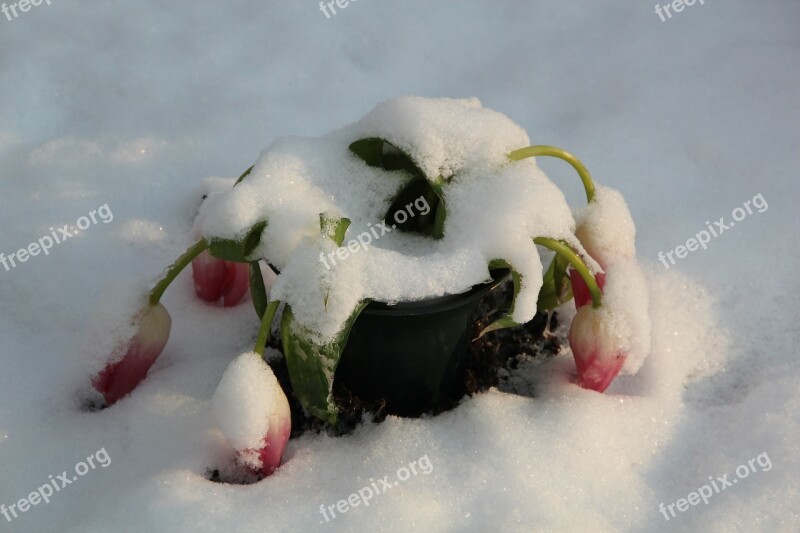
[{"x": 411, "y": 355}]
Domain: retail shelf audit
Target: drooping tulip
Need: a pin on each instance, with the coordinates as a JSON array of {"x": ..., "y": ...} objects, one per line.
[
  {"x": 579, "y": 289},
  {"x": 140, "y": 352},
  {"x": 215, "y": 278},
  {"x": 596, "y": 349},
  {"x": 253, "y": 413}
]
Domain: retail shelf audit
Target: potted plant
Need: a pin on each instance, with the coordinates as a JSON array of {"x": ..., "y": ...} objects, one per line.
[{"x": 383, "y": 236}]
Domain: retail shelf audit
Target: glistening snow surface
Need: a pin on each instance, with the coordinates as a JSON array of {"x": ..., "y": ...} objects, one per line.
[{"x": 135, "y": 105}]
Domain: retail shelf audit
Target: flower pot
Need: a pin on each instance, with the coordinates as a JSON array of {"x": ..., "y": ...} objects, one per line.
[{"x": 411, "y": 355}]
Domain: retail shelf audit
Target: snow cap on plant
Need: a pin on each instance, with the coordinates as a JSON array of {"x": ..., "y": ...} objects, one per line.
[
  {"x": 606, "y": 231},
  {"x": 605, "y": 227},
  {"x": 253, "y": 413}
]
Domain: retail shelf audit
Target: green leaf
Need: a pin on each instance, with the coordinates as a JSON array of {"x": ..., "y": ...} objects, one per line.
[
  {"x": 334, "y": 227},
  {"x": 266, "y": 326},
  {"x": 506, "y": 321},
  {"x": 417, "y": 188},
  {"x": 312, "y": 367},
  {"x": 573, "y": 260},
  {"x": 258, "y": 291},
  {"x": 244, "y": 175},
  {"x": 561, "y": 279},
  {"x": 441, "y": 210},
  {"x": 556, "y": 288},
  {"x": 370, "y": 150},
  {"x": 500, "y": 323},
  {"x": 240, "y": 250},
  {"x": 377, "y": 152}
]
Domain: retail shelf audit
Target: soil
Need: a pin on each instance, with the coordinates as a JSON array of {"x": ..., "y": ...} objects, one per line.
[{"x": 491, "y": 361}]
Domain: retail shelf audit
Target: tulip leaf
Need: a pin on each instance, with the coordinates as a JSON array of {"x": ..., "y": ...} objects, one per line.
[
  {"x": 506, "y": 321},
  {"x": 238, "y": 250},
  {"x": 377, "y": 152},
  {"x": 556, "y": 288},
  {"x": 441, "y": 211},
  {"x": 258, "y": 290},
  {"x": 369, "y": 150},
  {"x": 334, "y": 227},
  {"x": 244, "y": 175},
  {"x": 312, "y": 366},
  {"x": 418, "y": 189}
]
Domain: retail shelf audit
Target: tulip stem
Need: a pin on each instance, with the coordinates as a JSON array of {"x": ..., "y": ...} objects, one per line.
[
  {"x": 577, "y": 263},
  {"x": 552, "y": 151},
  {"x": 175, "y": 268},
  {"x": 266, "y": 324}
]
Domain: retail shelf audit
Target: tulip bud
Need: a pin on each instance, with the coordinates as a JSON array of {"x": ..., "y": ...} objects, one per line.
[
  {"x": 253, "y": 413},
  {"x": 121, "y": 377},
  {"x": 215, "y": 278},
  {"x": 579, "y": 289},
  {"x": 598, "y": 355}
]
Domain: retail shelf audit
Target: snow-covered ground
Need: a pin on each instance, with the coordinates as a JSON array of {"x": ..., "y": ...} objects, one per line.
[{"x": 133, "y": 104}]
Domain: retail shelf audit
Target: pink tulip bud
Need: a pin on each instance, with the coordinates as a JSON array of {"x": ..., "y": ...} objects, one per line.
[
  {"x": 121, "y": 377},
  {"x": 253, "y": 413},
  {"x": 215, "y": 278},
  {"x": 597, "y": 353},
  {"x": 579, "y": 289}
]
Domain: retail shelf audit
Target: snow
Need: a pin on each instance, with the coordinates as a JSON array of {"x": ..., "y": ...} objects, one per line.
[
  {"x": 113, "y": 325},
  {"x": 606, "y": 228},
  {"x": 687, "y": 118},
  {"x": 626, "y": 301},
  {"x": 495, "y": 209},
  {"x": 607, "y": 231},
  {"x": 443, "y": 137}
]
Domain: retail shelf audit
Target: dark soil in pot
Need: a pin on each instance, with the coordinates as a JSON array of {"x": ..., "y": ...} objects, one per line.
[{"x": 490, "y": 361}]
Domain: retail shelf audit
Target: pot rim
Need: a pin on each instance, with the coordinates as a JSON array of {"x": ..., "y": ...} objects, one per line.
[{"x": 439, "y": 303}]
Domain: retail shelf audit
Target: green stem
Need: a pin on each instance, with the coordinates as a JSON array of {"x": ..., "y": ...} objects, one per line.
[
  {"x": 266, "y": 324},
  {"x": 552, "y": 151},
  {"x": 175, "y": 268},
  {"x": 577, "y": 263}
]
